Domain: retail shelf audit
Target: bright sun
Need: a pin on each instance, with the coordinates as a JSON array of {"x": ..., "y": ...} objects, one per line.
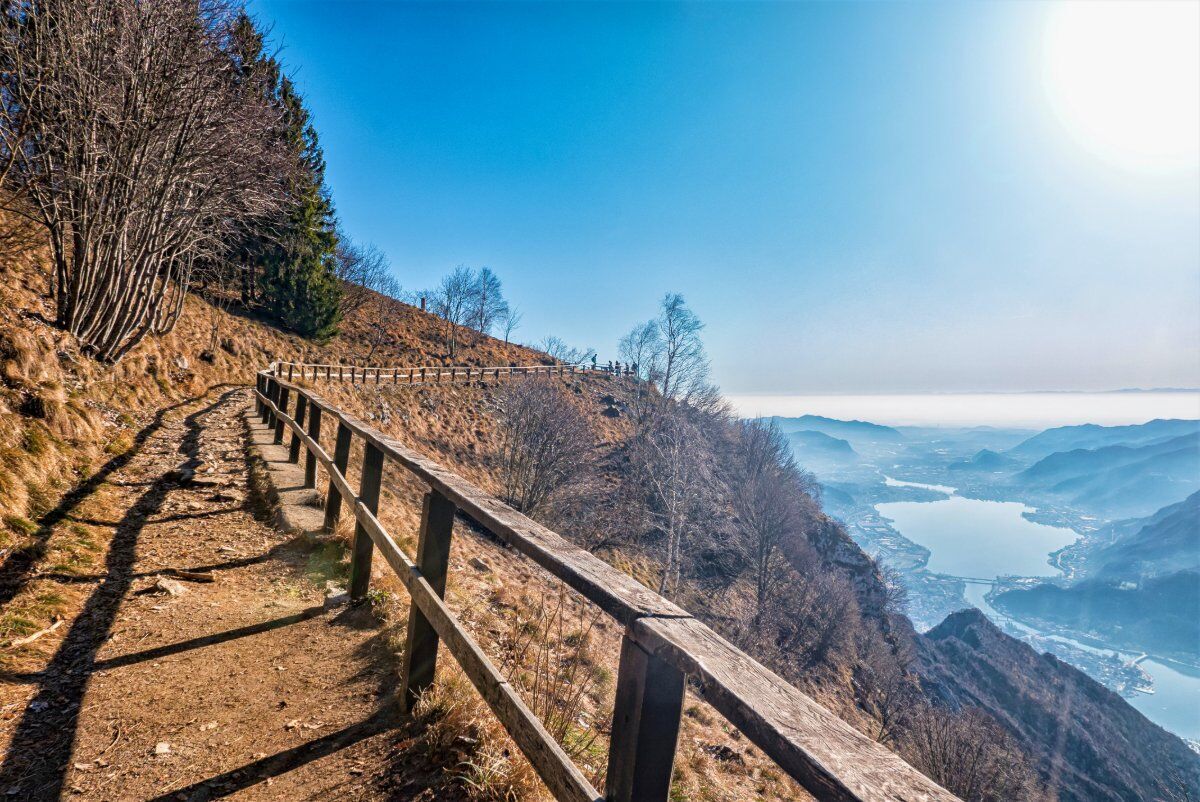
[{"x": 1124, "y": 77}]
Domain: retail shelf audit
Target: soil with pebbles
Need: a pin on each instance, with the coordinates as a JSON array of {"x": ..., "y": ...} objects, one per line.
[{"x": 159, "y": 687}]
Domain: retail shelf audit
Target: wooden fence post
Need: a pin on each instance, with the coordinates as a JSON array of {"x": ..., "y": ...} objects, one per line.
[
  {"x": 281, "y": 402},
  {"x": 368, "y": 493},
  {"x": 645, "y": 727},
  {"x": 310, "y": 459},
  {"x": 269, "y": 383},
  {"x": 301, "y": 412},
  {"x": 291, "y": 368},
  {"x": 341, "y": 458},
  {"x": 433, "y": 559}
]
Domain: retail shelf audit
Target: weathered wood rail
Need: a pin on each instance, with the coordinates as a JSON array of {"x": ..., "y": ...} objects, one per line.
[
  {"x": 435, "y": 374},
  {"x": 663, "y": 646}
]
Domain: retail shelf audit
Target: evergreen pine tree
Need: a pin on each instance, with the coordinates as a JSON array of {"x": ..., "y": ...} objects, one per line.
[{"x": 291, "y": 270}]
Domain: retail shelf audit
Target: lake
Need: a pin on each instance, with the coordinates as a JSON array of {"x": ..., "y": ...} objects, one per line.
[
  {"x": 973, "y": 538},
  {"x": 987, "y": 539}
]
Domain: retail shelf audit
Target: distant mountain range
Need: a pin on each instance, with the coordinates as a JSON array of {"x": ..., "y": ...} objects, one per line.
[
  {"x": 1157, "y": 615},
  {"x": 1133, "y": 549},
  {"x": 1091, "y": 436},
  {"x": 1119, "y": 481},
  {"x": 843, "y": 429},
  {"x": 813, "y": 441}
]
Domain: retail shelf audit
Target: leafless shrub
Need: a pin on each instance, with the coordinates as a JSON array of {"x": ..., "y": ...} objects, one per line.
[
  {"x": 547, "y": 445},
  {"x": 125, "y": 134},
  {"x": 971, "y": 755},
  {"x": 557, "y": 348},
  {"x": 547, "y": 653},
  {"x": 884, "y": 686},
  {"x": 365, "y": 275},
  {"x": 461, "y": 733},
  {"x": 813, "y": 615},
  {"x": 895, "y": 600}
]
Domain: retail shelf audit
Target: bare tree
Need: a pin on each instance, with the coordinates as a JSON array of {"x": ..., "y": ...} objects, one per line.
[
  {"x": 487, "y": 304},
  {"x": 547, "y": 446},
  {"x": 884, "y": 685},
  {"x": 684, "y": 364},
  {"x": 369, "y": 293},
  {"x": 673, "y": 466},
  {"x": 364, "y": 271},
  {"x": 772, "y": 497},
  {"x": 510, "y": 321},
  {"x": 641, "y": 348},
  {"x": 125, "y": 133},
  {"x": 668, "y": 351},
  {"x": 557, "y": 348},
  {"x": 972, "y": 756},
  {"x": 452, "y": 303}
]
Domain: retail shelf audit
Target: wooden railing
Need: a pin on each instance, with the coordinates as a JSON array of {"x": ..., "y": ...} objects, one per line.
[
  {"x": 435, "y": 374},
  {"x": 663, "y": 646}
]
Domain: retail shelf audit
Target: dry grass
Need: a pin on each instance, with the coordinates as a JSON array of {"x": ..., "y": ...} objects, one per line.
[{"x": 63, "y": 417}]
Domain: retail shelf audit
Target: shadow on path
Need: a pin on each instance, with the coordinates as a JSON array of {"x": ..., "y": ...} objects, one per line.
[
  {"x": 39, "y": 754},
  {"x": 279, "y": 763},
  {"x": 16, "y": 568}
]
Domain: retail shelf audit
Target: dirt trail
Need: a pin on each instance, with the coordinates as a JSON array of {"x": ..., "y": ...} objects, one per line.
[{"x": 246, "y": 687}]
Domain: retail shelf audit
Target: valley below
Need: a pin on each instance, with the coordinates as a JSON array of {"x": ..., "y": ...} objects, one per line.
[{"x": 967, "y": 517}]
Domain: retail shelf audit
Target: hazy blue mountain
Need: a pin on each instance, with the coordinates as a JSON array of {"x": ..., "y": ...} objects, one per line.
[
  {"x": 1116, "y": 482},
  {"x": 819, "y": 442},
  {"x": 1156, "y": 615},
  {"x": 1091, "y": 436},
  {"x": 1065, "y": 465},
  {"x": 1167, "y": 541},
  {"x": 1138, "y": 488},
  {"x": 844, "y": 429},
  {"x": 985, "y": 461}
]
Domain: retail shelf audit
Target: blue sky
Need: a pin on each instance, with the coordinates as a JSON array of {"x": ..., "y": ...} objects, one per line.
[{"x": 875, "y": 197}]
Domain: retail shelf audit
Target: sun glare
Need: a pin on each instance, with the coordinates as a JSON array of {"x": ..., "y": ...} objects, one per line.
[{"x": 1124, "y": 78}]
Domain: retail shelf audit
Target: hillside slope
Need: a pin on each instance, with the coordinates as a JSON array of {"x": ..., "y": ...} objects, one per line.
[{"x": 1093, "y": 744}]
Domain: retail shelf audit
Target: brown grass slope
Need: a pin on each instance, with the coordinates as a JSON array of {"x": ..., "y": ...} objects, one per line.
[{"x": 71, "y": 430}]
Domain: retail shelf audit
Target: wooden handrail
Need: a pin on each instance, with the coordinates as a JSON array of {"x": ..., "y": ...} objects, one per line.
[
  {"x": 661, "y": 646},
  {"x": 421, "y": 374}
]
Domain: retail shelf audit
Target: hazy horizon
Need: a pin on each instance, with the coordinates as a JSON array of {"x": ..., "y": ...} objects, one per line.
[{"x": 1024, "y": 410}]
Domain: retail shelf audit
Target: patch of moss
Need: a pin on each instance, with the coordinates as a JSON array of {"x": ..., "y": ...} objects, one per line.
[
  {"x": 14, "y": 626},
  {"x": 22, "y": 526},
  {"x": 34, "y": 441},
  {"x": 327, "y": 561},
  {"x": 40, "y": 500}
]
